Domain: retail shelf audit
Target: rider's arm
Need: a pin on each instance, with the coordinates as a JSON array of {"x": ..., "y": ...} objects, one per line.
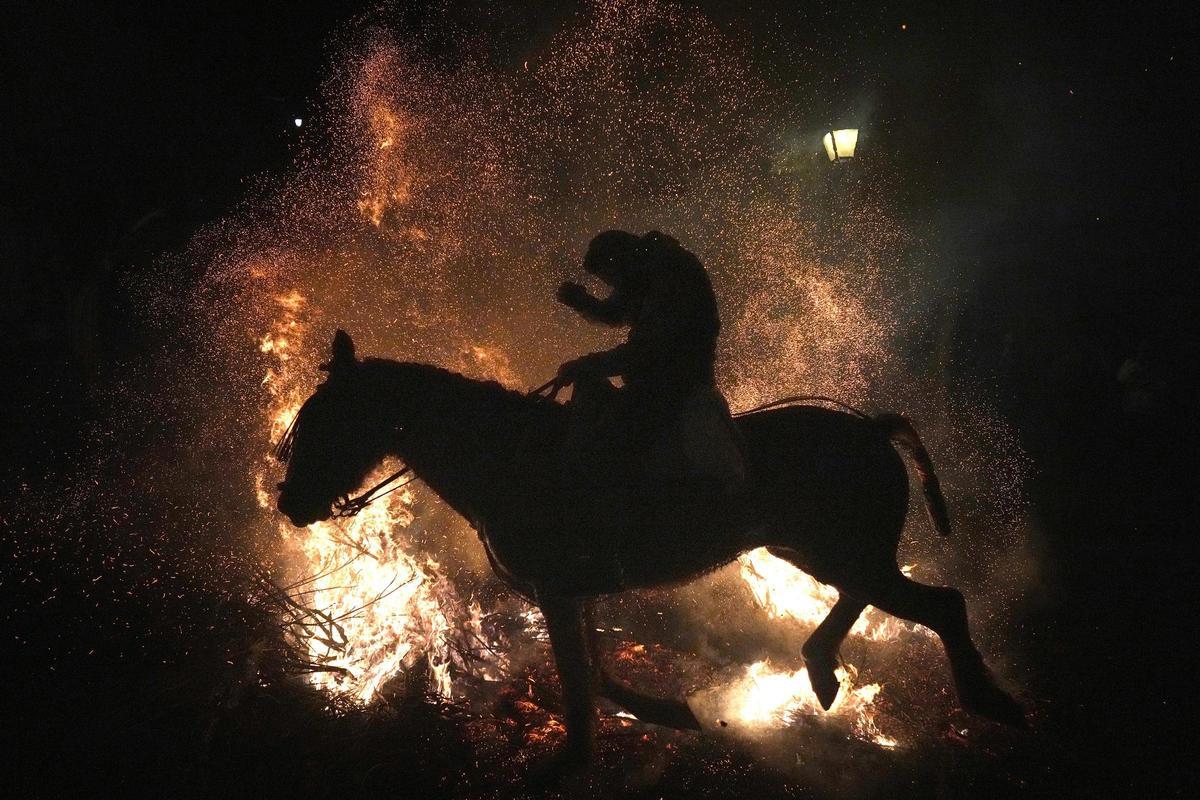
[
  {"x": 606, "y": 363},
  {"x": 609, "y": 311}
]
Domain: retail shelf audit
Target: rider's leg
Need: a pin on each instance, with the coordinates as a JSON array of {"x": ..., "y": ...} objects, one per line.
[
  {"x": 592, "y": 403},
  {"x": 596, "y": 468}
]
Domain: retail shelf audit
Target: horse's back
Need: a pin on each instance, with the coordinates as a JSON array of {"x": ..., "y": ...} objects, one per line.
[
  {"x": 825, "y": 484},
  {"x": 828, "y": 484},
  {"x": 807, "y": 432}
]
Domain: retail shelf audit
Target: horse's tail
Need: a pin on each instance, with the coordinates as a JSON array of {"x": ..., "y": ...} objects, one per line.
[{"x": 900, "y": 431}]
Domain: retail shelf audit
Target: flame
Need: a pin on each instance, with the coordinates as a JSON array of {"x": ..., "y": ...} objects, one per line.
[
  {"x": 384, "y": 608},
  {"x": 787, "y": 592},
  {"x": 764, "y": 697},
  {"x": 377, "y": 610},
  {"x": 388, "y": 182}
]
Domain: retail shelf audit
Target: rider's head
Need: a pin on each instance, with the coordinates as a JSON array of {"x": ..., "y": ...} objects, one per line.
[{"x": 612, "y": 255}]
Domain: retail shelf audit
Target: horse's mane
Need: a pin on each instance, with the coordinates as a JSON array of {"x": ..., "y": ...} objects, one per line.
[{"x": 471, "y": 391}]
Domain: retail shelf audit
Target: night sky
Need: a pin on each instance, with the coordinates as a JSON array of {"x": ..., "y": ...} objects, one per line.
[{"x": 1046, "y": 144}]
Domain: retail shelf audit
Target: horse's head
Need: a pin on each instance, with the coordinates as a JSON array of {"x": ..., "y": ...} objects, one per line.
[{"x": 335, "y": 440}]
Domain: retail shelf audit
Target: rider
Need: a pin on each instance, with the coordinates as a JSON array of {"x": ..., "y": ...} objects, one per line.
[{"x": 679, "y": 441}]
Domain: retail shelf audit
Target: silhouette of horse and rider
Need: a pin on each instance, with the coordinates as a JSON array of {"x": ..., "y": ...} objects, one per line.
[{"x": 648, "y": 484}]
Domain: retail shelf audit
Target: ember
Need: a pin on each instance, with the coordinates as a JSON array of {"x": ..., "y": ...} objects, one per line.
[
  {"x": 431, "y": 229},
  {"x": 198, "y": 195}
]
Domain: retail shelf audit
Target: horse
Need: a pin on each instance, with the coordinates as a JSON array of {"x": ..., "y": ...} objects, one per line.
[{"x": 828, "y": 493}]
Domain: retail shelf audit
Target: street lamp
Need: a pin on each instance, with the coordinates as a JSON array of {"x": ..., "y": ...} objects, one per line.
[{"x": 839, "y": 145}]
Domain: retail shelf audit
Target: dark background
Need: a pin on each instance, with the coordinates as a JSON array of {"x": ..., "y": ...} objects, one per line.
[{"x": 1052, "y": 139}]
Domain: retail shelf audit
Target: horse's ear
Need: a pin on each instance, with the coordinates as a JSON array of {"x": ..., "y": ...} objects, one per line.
[{"x": 343, "y": 352}]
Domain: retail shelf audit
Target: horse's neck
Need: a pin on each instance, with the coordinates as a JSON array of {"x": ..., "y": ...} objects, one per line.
[{"x": 460, "y": 435}]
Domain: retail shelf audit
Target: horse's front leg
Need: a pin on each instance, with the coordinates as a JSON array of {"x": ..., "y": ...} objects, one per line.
[
  {"x": 577, "y": 674},
  {"x": 820, "y": 651},
  {"x": 647, "y": 708}
]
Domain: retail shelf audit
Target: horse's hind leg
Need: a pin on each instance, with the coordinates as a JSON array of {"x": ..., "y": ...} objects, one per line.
[
  {"x": 647, "y": 708},
  {"x": 944, "y": 611},
  {"x": 820, "y": 651}
]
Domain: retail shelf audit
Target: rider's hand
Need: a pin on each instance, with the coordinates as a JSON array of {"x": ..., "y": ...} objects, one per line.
[{"x": 572, "y": 294}]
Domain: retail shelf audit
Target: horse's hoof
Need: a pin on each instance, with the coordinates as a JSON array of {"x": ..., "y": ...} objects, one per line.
[
  {"x": 824, "y": 682},
  {"x": 1002, "y": 708},
  {"x": 997, "y": 705}
]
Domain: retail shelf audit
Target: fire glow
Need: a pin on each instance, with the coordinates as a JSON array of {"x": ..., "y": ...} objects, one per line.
[
  {"x": 786, "y": 592},
  {"x": 767, "y": 698},
  {"x": 434, "y": 230}
]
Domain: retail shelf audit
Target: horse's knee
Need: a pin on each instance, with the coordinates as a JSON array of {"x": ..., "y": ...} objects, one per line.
[
  {"x": 947, "y": 610},
  {"x": 952, "y": 599},
  {"x": 952, "y": 607},
  {"x": 810, "y": 648}
]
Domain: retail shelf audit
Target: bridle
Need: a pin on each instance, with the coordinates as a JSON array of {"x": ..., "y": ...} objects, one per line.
[{"x": 345, "y": 506}]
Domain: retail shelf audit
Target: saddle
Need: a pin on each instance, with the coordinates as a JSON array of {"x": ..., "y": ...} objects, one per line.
[{"x": 625, "y": 466}]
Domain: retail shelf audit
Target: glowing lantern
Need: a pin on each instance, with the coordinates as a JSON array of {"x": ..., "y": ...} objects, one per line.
[{"x": 839, "y": 145}]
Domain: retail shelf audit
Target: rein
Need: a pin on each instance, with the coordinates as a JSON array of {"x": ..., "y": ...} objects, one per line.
[
  {"x": 283, "y": 450},
  {"x": 800, "y": 400},
  {"x": 548, "y": 390},
  {"x": 350, "y": 506}
]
